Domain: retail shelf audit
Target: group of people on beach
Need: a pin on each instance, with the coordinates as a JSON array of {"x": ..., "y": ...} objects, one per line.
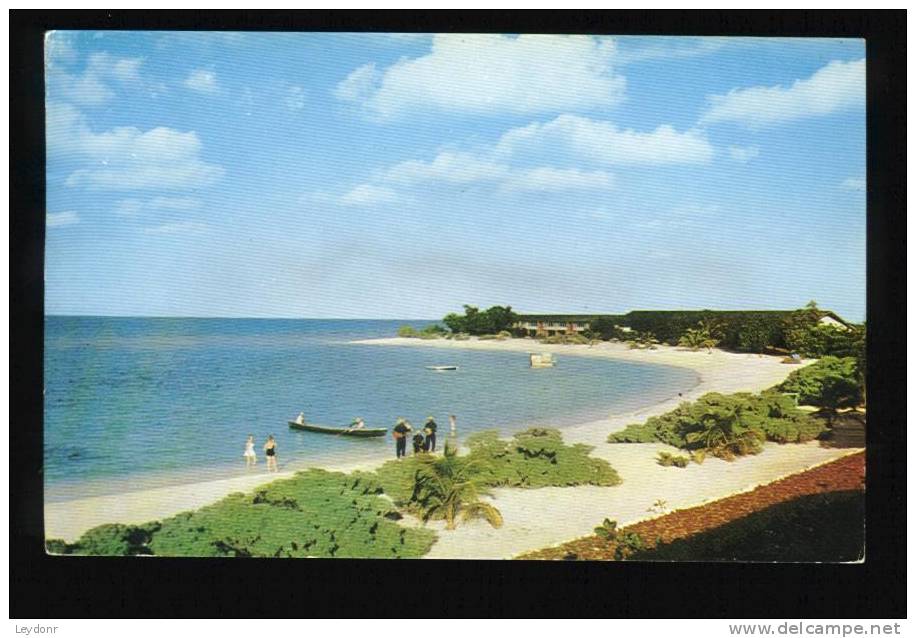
[
  {"x": 270, "y": 451},
  {"x": 423, "y": 441}
]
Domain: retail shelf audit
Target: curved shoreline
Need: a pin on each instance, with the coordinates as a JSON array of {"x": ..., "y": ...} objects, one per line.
[{"x": 717, "y": 371}]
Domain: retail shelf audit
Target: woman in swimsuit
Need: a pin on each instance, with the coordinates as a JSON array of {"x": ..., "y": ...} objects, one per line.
[
  {"x": 250, "y": 458},
  {"x": 270, "y": 451}
]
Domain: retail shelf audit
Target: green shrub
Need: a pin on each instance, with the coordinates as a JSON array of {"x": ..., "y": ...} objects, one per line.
[
  {"x": 115, "y": 540},
  {"x": 830, "y": 383},
  {"x": 628, "y": 543},
  {"x": 433, "y": 330},
  {"x": 726, "y": 425},
  {"x": 607, "y": 530},
  {"x": 666, "y": 459},
  {"x": 407, "y": 331},
  {"x": 315, "y": 513},
  {"x": 534, "y": 458}
]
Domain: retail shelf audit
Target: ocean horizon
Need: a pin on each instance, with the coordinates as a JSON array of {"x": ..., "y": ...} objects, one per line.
[{"x": 135, "y": 402}]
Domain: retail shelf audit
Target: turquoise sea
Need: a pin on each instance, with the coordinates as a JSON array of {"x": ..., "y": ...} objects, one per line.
[{"x": 131, "y": 402}]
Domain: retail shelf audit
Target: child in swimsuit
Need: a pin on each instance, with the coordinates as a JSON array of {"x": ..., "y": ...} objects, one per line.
[{"x": 250, "y": 458}]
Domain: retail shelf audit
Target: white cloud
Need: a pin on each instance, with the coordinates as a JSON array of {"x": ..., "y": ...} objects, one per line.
[
  {"x": 452, "y": 167},
  {"x": 126, "y": 158},
  {"x": 601, "y": 141},
  {"x": 856, "y": 184},
  {"x": 367, "y": 194},
  {"x": 743, "y": 154},
  {"x": 359, "y": 84},
  {"x": 176, "y": 228},
  {"x": 486, "y": 73},
  {"x": 837, "y": 86},
  {"x": 295, "y": 98},
  {"x": 460, "y": 168},
  {"x": 65, "y": 218},
  {"x": 94, "y": 86},
  {"x": 549, "y": 179},
  {"x": 202, "y": 81}
]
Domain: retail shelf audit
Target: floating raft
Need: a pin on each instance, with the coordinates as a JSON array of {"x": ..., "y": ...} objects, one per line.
[{"x": 362, "y": 433}]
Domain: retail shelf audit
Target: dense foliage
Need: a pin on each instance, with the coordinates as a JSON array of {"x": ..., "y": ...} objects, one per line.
[
  {"x": 493, "y": 320},
  {"x": 315, "y": 513},
  {"x": 536, "y": 457},
  {"x": 830, "y": 383},
  {"x": 746, "y": 331},
  {"x": 726, "y": 425},
  {"x": 739, "y": 330}
]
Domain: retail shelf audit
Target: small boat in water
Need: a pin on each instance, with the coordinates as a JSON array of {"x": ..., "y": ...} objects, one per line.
[
  {"x": 441, "y": 368},
  {"x": 542, "y": 360},
  {"x": 362, "y": 433}
]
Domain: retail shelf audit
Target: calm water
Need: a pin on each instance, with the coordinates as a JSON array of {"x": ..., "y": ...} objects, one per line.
[{"x": 131, "y": 401}]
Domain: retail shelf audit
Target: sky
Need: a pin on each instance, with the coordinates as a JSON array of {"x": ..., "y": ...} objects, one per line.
[{"x": 343, "y": 175}]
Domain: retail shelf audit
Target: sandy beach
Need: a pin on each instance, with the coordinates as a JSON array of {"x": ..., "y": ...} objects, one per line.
[{"x": 542, "y": 517}]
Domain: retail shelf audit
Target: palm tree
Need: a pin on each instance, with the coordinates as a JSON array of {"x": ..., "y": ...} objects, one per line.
[
  {"x": 699, "y": 337},
  {"x": 444, "y": 488}
]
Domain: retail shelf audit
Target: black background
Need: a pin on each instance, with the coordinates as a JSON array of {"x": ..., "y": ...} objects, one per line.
[{"x": 45, "y": 587}]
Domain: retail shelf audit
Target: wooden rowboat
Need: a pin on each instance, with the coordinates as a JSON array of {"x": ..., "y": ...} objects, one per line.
[{"x": 344, "y": 431}]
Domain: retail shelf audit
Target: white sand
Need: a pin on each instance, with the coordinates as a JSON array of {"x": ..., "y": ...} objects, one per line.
[{"x": 546, "y": 516}]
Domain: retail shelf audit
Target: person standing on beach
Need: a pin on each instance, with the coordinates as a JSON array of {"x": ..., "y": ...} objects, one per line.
[
  {"x": 270, "y": 451},
  {"x": 451, "y": 442},
  {"x": 250, "y": 458},
  {"x": 401, "y": 428},
  {"x": 430, "y": 430}
]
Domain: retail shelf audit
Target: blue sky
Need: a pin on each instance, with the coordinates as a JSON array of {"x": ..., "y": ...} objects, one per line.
[{"x": 400, "y": 176}]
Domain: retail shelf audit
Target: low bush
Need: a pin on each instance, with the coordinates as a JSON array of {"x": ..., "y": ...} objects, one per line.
[
  {"x": 534, "y": 458},
  {"x": 666, "y": 459},
  {"x": 726, "y": 425},
  {"x": 315, "y": 513},
  {"x": 625, "y": 543},
  {"x": 109, "y": 540},
  {"x": 830, "y": 383},
  {"x": 408, "y": 331}
]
